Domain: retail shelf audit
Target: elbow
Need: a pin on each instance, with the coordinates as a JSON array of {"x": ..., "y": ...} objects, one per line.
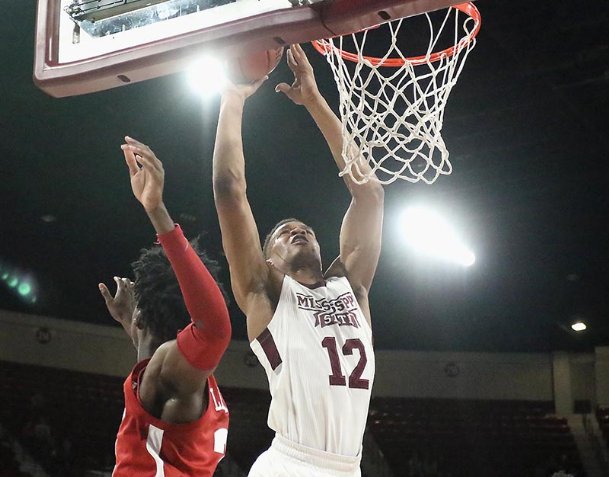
[
  {"x": 220, "y": 332},
  {"x": 229, "y": 187},
  {"x": 225, "y": 331},
  {"x": 218, "y": 341}
]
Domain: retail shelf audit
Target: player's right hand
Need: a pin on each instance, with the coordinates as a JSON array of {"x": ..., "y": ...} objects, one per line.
[
  {"x": 146, "y": 172},
  {"x": 242, "y": 90}
]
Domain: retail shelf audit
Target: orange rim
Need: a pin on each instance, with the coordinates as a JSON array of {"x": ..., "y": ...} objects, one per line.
[{"x": 467, "y": 8}]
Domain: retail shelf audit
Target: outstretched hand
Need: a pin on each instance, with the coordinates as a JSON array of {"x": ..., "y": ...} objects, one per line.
[
  {"x": 122, "y": 305},
  {"x": 304, "y": 88},
  {"x": 243, "y": 90},
  {"x": 146, "y": 172}
]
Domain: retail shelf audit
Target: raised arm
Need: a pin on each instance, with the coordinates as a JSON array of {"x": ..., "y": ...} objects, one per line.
[
  {"x": 248, "y": 269},
  {"x": 360, "y": 236},
  {"x": 182, "y": 365}
]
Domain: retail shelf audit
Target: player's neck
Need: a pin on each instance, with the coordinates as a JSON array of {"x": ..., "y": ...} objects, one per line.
[
  {"x": 307, "y": 276},
  {"x": 304, "y": 269},
  {"x": 146, "y": 347}
]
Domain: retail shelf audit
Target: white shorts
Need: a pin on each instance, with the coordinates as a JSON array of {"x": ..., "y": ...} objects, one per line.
[{"x": 287, "y": 459}]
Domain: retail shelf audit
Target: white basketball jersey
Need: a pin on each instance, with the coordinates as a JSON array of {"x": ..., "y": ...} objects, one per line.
[{"x": 318, "y": 356}]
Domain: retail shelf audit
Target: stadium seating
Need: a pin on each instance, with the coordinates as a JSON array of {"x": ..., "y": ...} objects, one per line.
[
  {"x": 468, "y": 438},
  {"x": 602, "y": 415},
  {"x": 453, "y": 438},
  {"x": 67, "y": 420}
]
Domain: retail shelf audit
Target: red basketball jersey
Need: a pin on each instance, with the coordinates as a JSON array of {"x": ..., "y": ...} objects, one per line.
[{"x": 147, "y": 446}]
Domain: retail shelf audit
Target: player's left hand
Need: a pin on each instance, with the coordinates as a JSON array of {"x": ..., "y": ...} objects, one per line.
[
  {"x": 122, "y": 305},
  {"x": 146, "y": 172},
  {"x": 304, "y": 88}
]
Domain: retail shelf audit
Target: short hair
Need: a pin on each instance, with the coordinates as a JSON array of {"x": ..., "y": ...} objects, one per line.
[
  {"x": 158, "y": 293},
  {"x": 267, "y": 240}
]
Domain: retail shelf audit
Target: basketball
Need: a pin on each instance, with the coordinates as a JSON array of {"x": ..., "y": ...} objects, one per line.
[{"x": 253, "y": 66}]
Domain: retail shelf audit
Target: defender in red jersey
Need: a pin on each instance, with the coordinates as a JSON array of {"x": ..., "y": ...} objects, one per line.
[{"x": 175, "y": 422}]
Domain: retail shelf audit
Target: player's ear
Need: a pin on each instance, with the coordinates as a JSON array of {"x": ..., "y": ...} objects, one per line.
[{"x": 139, "y": 321}]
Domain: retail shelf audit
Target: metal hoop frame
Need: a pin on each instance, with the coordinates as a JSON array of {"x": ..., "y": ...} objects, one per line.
[{"x": 467, "y": 8}]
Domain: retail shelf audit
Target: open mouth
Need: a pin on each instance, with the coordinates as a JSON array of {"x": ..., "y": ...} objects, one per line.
[{"x": 299, "y": 239}]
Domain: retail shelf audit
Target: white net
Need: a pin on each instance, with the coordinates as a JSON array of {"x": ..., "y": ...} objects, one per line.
[{"x": 392, "y": 107}]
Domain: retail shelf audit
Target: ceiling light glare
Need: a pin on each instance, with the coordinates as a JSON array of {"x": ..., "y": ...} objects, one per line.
[
  {"x": 430, "y": 234},
  {"x": 578, "y": 326},
  {"x": 207, "y": 76}
]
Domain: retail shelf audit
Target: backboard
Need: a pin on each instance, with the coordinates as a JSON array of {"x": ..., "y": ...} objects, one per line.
[{"x": 84, "y": 46}]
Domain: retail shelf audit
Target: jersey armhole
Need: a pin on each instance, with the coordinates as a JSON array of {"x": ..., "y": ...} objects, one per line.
[{"x": 138, "y": 381}]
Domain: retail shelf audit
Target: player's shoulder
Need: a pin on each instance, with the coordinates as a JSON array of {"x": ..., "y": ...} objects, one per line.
[
  {"x": 151, "y": 386},
  {"x": 336, "y": 270}
]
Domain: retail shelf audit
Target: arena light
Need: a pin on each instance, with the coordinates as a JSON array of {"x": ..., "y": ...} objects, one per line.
[
  {"x": 207, "y": 76},
  {"x": 22, "y": 285},
  {"x": 24, "y": 289},
  {"x": 579, "y": 326},
  {"x": 428, "y": 233}
]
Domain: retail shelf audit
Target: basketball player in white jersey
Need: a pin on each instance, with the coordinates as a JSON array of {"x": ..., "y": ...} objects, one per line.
[{"x": 310, "y": 330}]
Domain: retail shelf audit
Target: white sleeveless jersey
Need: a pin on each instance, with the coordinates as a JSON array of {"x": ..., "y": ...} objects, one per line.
[{"x": 318, "y": 356}]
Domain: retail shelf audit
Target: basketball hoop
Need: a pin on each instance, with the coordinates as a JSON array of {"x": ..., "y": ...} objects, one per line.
[{"x": 391, "y": 105}]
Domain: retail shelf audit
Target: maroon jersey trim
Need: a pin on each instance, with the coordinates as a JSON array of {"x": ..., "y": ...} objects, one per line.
[{"x": 269, "y": 347}]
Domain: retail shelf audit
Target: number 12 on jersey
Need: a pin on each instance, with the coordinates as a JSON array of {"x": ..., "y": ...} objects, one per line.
[{"x": 337, "y": 378}]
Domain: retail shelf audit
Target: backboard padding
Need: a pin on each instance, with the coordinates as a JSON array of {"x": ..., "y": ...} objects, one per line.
[{"x": 62, "y": 68}]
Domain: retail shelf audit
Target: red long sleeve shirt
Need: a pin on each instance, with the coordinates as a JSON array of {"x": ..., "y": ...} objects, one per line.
[{"x": 203, "y": 341}]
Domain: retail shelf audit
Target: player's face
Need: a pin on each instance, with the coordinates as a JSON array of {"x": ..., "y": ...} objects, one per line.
[{"x": 294, "y": 240}]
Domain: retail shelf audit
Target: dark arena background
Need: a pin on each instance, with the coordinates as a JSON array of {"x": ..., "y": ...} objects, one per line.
[{"x": 479, "y": 371}]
